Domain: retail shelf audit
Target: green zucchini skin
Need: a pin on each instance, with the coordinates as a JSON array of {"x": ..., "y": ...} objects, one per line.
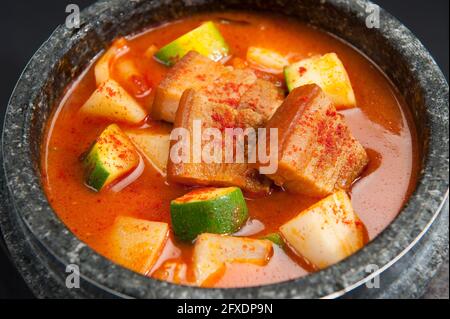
[
  {"x": 111, "y": 156},
  {"x": 275, "y": 238},
  {"x": 96, "y": 173},
  {"x": 291, "y": 76},
  {"x": 206, "y": 40},
  {"x": 222, "y": 214}
]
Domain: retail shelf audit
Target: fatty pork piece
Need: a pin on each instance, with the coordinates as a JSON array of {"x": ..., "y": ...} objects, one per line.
[
  {"x": 241, "y": 89},
  {"x": 192, "y": 71},
  {"x": 197, "y": 106},
  {"x": 237, "y": 88},
  {"x": 317, "y": 152},
  {"x": 263, "y": 97}
]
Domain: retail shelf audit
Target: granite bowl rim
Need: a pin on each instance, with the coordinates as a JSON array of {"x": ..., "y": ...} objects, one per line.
[{"x": 345, "y": 268}]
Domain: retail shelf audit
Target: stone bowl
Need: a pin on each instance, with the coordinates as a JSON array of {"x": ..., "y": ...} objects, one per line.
[{"x": 42, "y": 247}]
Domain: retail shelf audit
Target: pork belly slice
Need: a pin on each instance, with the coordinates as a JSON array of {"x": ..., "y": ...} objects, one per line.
[
  {"x": 197, "y": 106},
  {"x": 237, "y": 88},
  {"x": 317, "y": 152},
  {"x": 241, "y": 89},
  {"x": 192, "y": 71},
  {"x": 263, "y": 97},
  {"x": 230, "y": 87}
]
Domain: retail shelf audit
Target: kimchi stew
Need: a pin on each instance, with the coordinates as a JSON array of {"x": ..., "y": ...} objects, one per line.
[{"x": 229, "y": 149}]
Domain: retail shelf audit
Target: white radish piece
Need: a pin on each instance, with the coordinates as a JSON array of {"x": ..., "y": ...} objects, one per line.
[
  {"x": 267, "y": 60},
  {"x": 154, "y": 145},
  {"x": 212, "y": 252},
  {"x": 328, "y": 72},
  {"x": 327, "y": 232},
  {"x": 103, "y": 67},
  {"x": 137, "y": 243},
  {"x": 111, "y": 101}
]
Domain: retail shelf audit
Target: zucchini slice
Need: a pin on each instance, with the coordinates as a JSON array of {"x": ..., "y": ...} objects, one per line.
[
  {"x": 327, "y": 232},
  {"x": 111, "y": 101},
  {"x": 206, "y": 40},
  {"x": 208, "y": 210},
  {"x": 212, "y": 252},
  {"x": 266, "y": 59},
  {"x": 328, "y": 72},
  {"x": 110, "y": 157},
  {"x": 136, "y": 243}
]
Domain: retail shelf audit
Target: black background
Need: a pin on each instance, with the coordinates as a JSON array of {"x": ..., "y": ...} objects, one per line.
[{"x": 25, "y": 25}]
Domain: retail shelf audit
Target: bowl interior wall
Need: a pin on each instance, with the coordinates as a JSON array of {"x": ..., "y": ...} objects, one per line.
[{"x": 69, "y": 52}]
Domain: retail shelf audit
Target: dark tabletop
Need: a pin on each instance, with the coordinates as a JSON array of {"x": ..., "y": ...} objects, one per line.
[{"x": 27, "y": 24}]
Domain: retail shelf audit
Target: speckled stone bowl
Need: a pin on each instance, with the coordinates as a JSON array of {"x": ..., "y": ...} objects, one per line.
[{"x": 42, "y": 247}]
